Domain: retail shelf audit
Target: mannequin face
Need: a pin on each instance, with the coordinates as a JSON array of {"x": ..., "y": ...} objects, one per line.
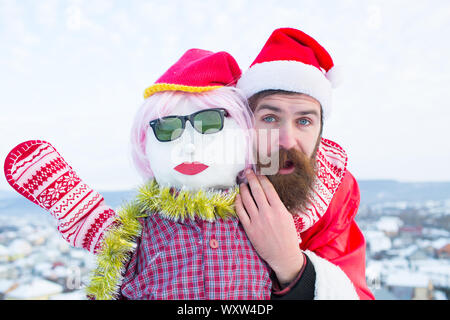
[{"x": 198, "y": 161}]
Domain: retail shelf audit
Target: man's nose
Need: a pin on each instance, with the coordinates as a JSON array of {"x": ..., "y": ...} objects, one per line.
[{"x": 286, "y": 137}]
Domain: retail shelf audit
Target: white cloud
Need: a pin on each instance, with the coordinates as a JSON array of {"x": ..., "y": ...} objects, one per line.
[
  {"x": 374, "y": 17},
  {"x": 47, "y": 12},
  {"x": 73, "y": 17},
  {"x": 78, "y": 20},
  {"x": 13, "y": 24}
]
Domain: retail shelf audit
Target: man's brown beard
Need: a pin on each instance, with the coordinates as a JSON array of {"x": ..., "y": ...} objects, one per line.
[{"x": 294, "y": 188}]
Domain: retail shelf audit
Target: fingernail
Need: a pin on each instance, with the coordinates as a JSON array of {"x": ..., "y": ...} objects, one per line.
[{"x": 248, "y": 171}]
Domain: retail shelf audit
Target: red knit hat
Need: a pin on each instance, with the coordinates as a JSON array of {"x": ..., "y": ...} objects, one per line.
[
  {"x": 198, "y": 71},
  {"x": 293, "y": 61}
]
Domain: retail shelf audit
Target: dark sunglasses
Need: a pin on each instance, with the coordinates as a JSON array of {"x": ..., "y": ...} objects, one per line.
[{"x": 205, "y": 121}]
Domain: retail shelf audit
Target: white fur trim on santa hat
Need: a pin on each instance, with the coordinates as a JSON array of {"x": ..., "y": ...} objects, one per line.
[
  {"x": 335, "y": 76},
  {"x": 288, "y": 75},
  {"x": 331, "y": 282}
]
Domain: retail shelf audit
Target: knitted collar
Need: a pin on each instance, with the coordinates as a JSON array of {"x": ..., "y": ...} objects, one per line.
[
  {"x": 179, "y": 205},
  {"x": 331, "y": 161}
]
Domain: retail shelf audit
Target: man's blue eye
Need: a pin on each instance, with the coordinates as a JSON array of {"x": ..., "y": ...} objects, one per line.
[
  {"x": 304, "y": 122},
  {"x": 269, "y": 119}
]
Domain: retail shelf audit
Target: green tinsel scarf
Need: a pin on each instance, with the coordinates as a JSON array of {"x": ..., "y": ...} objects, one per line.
[{"x": 120, "y": 240}]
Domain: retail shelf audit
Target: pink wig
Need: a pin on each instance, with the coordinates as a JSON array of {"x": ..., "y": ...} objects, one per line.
[{"x": 161, "y": 104}]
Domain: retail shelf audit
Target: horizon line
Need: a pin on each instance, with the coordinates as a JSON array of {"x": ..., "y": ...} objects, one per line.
[{"x": 100, "y": 189}]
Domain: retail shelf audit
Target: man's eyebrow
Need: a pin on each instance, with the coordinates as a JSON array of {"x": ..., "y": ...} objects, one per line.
[
  {"x": 269, "y": 107},
  {"x": 307, "y": 112},
  {"x": 278, "y": 110}
]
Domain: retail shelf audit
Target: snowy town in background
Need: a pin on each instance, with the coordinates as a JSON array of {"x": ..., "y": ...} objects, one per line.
[
  {"x": 408, "y": 249},
  {"x": 408, "y": 252}
]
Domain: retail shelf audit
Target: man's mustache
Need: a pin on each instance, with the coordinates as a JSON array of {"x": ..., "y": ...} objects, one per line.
[
  {"x": 293, "y": 188},
  {"x": 288, "y": 158}
]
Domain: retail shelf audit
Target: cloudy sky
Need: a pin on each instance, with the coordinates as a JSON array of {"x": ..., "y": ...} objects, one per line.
[{"x": 73, "y": 73}]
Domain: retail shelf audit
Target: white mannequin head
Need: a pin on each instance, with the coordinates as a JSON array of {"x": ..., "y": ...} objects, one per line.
[{"x": 220, "y": 156}]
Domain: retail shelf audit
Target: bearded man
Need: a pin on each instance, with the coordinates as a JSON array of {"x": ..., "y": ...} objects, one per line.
[{"x": 300, "y": 216}]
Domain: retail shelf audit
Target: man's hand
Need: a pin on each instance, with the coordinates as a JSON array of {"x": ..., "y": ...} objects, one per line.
[{"x": 269, "y": 226}]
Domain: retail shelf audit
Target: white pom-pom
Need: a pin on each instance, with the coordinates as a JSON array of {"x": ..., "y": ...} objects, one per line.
[{"x": 335, "y": 76}]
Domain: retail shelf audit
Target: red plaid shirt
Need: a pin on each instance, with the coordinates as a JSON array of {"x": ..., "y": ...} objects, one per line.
[{"x": 195, "y": 260}]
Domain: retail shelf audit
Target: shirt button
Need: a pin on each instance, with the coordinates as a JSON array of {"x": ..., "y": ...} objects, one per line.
[{"x": 213, "y": 243}]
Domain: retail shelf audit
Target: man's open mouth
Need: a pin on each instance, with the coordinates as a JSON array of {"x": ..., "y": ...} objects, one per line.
[{"x": 287, "y": 167}]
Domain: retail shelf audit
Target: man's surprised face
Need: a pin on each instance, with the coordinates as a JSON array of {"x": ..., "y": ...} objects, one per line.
[
  {"x": 286, "y": 122},
  {"x": 287, "y": 135}
]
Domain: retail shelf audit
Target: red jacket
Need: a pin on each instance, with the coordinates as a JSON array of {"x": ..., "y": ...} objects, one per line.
[{"x": 337, "y": 238}]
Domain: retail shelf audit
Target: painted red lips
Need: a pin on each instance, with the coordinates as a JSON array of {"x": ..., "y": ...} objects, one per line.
[{"x": 190, "y": 168}]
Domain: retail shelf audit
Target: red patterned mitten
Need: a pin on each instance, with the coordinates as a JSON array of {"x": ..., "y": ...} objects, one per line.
[{"x": 38, "y": 172}]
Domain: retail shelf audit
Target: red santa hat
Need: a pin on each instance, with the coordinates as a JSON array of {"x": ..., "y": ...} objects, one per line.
[
  {"x": 293, "y": 61},
  {"x": 198, "y": 71}
]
